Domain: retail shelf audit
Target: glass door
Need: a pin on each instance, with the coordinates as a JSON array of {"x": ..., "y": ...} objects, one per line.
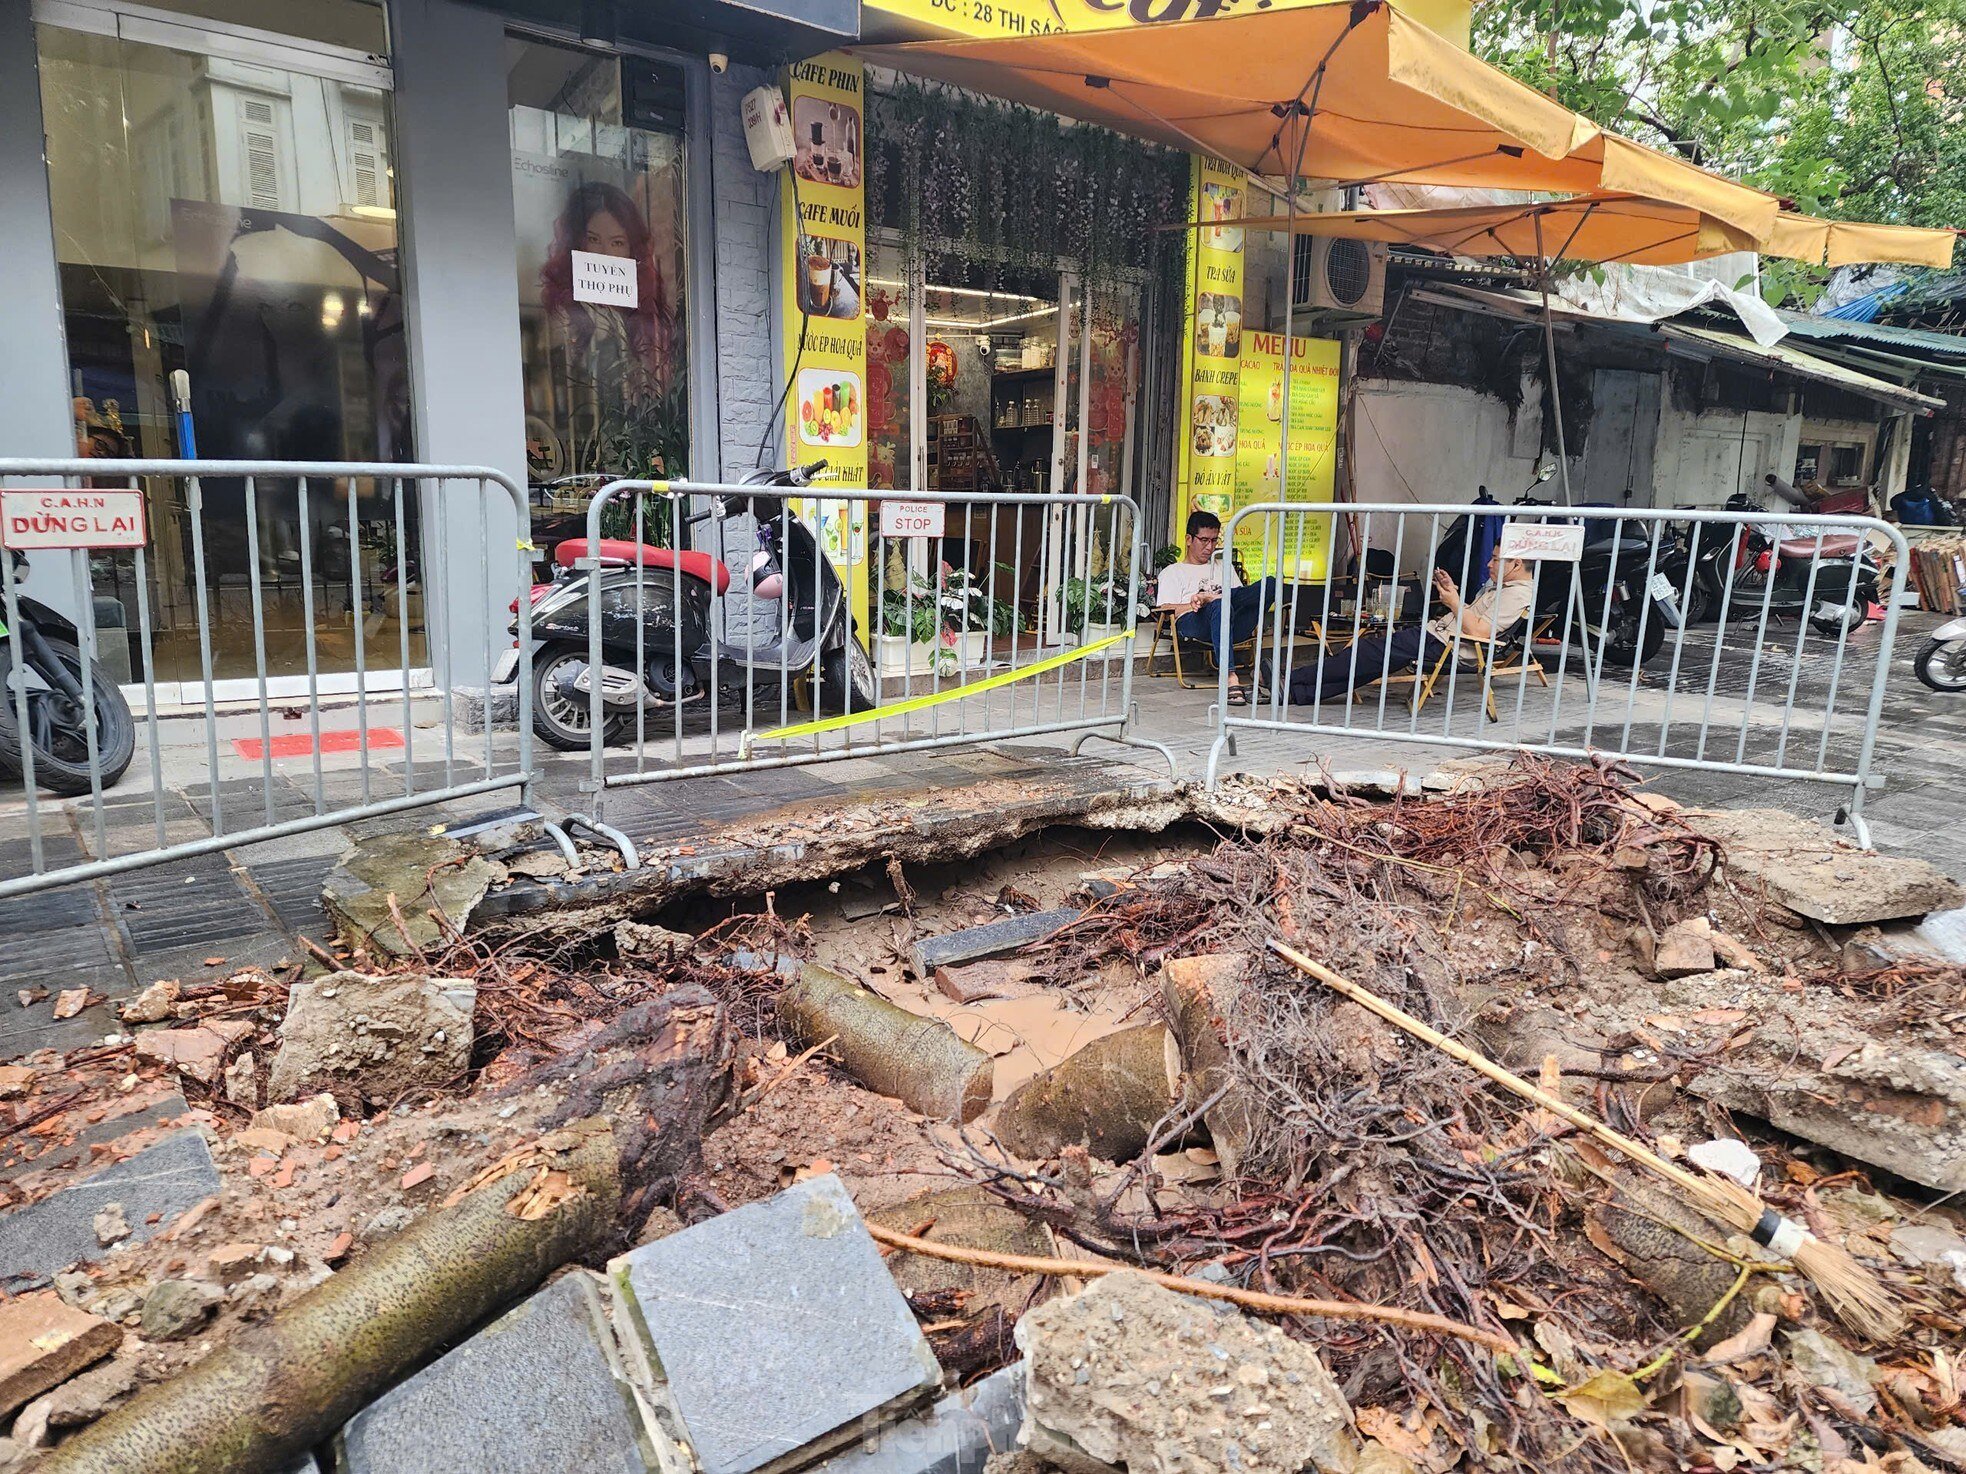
[{"x": 224, "y": 208}]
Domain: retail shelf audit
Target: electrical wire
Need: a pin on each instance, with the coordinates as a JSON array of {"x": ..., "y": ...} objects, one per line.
[{"x": 805, "y": 323}]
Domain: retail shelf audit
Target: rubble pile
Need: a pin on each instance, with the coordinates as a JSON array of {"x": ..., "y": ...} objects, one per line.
[{"x": 1046, "y": 1160}]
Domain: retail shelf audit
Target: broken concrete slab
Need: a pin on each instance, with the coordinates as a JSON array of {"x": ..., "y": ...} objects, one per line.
[
  {"x": 421, "y": 872},
  {"x": 381, "y": 1036},
  {"x": 1804, "y": 866},
  {"x": 955, "y": 1435},
  {"x": 44, "y": 1342},
  {"x": 1895, "y": 1101},
  {"x": 540, "y": 1388},
  {"x": 989, "y": 940},
  {"x": 823, "y": 1347},
  {"x": 1131, "y": 1375},
  {"x": 58, "y": 1230},
  {"x": 1684, "y": 948}
]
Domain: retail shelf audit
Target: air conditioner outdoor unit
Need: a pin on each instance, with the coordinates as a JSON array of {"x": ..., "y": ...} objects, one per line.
[{"x": 1338, "y": 278}]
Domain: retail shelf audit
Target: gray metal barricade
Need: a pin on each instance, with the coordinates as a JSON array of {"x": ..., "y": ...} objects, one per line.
[
  {"x": 976, "y": 619},
  {"x": 1719, "y": 640},
  {"x": 205, "y": 584}
]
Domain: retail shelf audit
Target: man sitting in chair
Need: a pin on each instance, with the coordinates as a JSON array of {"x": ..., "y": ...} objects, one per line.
[
  {"x": 1498, "y": 608},
  {"x": 1210, "y": 603}
]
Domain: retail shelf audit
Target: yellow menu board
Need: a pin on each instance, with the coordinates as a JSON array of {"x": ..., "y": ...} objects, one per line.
[
  {"x": 822, "y": 283},
  {"x": 1449, "y": 18},
  {"x": 1211, "y": 342},
  {"x": 1313, "y": 460}
]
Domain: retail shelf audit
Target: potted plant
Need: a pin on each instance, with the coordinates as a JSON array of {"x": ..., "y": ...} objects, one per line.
[
  {"x": 970, "y": 616},
  {"x": 946, "y": 624},
  {"x": 1098, "y": 606},
  {"x": 907, "y": 639}
]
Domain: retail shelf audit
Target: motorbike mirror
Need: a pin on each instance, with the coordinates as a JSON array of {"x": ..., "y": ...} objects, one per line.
[{"x": 1544, "y": 472}]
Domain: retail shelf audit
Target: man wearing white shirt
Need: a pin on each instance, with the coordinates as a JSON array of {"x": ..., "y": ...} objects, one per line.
[{"x": 1210, "y": 602}]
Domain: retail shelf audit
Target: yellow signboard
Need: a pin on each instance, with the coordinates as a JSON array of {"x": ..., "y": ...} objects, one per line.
[
  {"x": 1449, "y": 18},
  {"x": 822, "y": 281},
  {"x": 1261, "y": 473},
  {"x": 1211, "y": 342}
]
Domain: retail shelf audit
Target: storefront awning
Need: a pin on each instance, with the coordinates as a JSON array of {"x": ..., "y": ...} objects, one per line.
[
  {"x": 1615, "y": 228},
  {"x": 1700, "y": 342},
  {"x": 1354, "y": 93}
]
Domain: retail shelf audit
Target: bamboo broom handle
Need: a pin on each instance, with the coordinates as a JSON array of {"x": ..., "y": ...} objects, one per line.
[{"x": 1393, "y": 1014}]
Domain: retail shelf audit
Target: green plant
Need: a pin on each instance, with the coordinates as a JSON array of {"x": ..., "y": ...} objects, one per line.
[
  {"x": 1098, "y": 601},
  {"x": 1166, "y": 557},
  {"x": 962, "y": 605}
]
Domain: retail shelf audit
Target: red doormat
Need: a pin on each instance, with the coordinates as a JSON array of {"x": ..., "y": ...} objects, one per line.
[{"x": 301, "y": 744}]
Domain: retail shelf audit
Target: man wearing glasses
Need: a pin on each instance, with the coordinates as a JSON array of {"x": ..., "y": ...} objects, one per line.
[{"x": 1210, "y": 602}]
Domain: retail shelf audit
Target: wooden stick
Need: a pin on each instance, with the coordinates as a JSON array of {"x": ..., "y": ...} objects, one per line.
[{"x": 1412, "y": 1320}]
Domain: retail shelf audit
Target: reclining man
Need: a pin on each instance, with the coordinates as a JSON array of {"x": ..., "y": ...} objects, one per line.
[
  {"x": 1494, "y": 611},
  {"x": 1210, "y": 602}
]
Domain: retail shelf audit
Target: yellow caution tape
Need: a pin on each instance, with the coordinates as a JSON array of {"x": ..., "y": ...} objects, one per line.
[{"x": 934, "y": 698}]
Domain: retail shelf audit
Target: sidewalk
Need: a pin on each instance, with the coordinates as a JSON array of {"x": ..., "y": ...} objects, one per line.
[{"x": 249, "y": 904}]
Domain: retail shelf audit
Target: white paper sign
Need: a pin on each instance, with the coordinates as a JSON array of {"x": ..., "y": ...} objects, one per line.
[
  {"x": 608, "y": 280},
  {"x": 1540, "y": 540},
  {"x": 55, "y": 517},
  {"x": 912, "y": 519}
]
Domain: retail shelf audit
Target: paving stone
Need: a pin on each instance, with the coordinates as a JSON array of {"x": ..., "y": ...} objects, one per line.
[
  {"x": 1805, "y": 867},
  {"x": 955, "y": 1435},
  {"x": 44, "y": 1342},
  {"x": 989, "y": 940},
  {"x": 72, "y": 1150},
  {"x": 539, "y": 1389},
  {"x": 59, "y": 1230},
  {"x": 774, "y": 1331}
]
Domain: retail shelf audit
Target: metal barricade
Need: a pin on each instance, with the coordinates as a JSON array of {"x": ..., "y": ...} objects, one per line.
[
  {"x": 792, "y": 631},
  {"x": 342, "y": 579},
  {"x": 1722, "y": 640}
]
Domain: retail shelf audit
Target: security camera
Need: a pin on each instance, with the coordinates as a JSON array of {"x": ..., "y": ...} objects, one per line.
[
  {"x": 719, "y": 63},
  {"x": 983, "y": 345}
]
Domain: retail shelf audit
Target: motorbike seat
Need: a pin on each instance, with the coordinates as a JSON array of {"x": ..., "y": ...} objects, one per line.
[
  {"x": 1830, "y": 545},
  {"x": 620, "y": 551}
]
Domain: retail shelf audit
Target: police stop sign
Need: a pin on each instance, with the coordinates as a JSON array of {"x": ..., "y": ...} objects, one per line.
[{"x": 61, "y": 517}]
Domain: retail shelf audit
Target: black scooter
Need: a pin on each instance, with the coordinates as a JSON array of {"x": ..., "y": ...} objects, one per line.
[
  {"x": 57, "y": 714},
  {"x": 1625, "y": 602},
  {"x": 1765, "y": 573},
  {"x": 675, "y": 594}
]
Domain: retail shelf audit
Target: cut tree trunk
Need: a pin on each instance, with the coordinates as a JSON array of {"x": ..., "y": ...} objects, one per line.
[
  {"x": 918, "y": 1060},
  {"x": 1108, "y": 1098},
  {"x": 643, "y": 1093},
  {"x": 1197, "y": 992}
]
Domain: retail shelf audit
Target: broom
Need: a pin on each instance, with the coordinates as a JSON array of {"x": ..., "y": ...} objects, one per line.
[{"x": 1852, "y": 1292}]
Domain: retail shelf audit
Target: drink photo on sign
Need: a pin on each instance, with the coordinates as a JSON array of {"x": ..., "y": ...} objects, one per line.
[
  {"x": 829, "y": 277},
  {"x": 828, "y": 137}
]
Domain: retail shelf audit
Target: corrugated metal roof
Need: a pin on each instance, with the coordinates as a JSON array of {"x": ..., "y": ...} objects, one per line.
[
  {"x": 1802, "y": 364},
  {"x": 1908, "y": 342}
]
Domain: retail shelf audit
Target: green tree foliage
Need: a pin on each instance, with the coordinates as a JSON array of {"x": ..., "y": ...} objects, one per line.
[{"x": 1852, "y": 110}]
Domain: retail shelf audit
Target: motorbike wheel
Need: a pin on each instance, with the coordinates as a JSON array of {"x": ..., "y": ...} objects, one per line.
[
  {"x": 1847, "y": 620},
  {"x": 1701, "y": 605},
  {"x": 61, "y": 742},
  {"x": 843, "y": 671},
  {"x": 1942, "y": 665},
  {"x": 1621, "y": 647},
  {"x": 560, "y": 718}
]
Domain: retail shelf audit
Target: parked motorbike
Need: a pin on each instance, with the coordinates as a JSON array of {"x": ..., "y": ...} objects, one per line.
[
  {"x": 58, "y": 718},
  {"x": 1622, "y": 612},
  {"x": 675, "y": 593},
  {"x": 1776, "y": 573},
  {"x": 1941, "y": 664}
]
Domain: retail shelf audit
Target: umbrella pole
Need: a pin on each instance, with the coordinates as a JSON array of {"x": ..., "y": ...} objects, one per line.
[{"x": 1549, "y": 349}]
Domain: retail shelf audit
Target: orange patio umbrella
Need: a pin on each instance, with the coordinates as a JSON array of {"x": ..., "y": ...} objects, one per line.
[
  {"x": 1352, "y": 93},
  {"x": 1616, "y": 228}
]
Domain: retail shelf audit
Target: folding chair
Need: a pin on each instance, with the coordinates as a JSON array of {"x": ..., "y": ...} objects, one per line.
[
  {"x": 1515, "y": 642},
  {"x": 1164, "y": 626}
]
